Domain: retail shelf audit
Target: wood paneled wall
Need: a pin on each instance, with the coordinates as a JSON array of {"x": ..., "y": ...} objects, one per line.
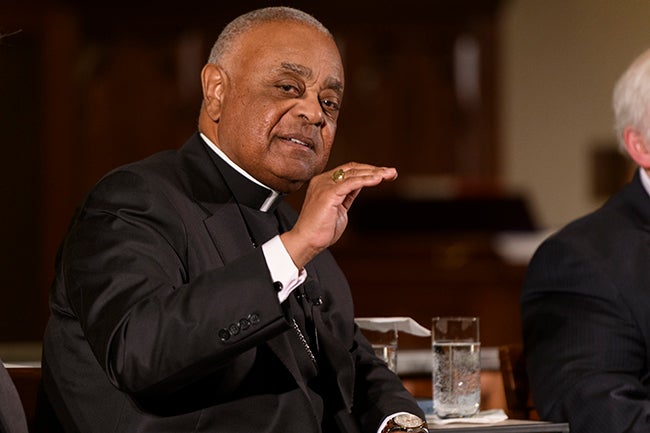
[{"x": 85, "y": 88}]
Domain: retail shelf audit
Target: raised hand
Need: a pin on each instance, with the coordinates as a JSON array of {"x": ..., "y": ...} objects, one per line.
[{"x": 324, "y": 213}]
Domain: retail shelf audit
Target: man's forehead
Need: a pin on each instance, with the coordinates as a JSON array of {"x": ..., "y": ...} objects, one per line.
[
  {"x": 291, "y": 47},
  {"x": 289, "y": 36}
]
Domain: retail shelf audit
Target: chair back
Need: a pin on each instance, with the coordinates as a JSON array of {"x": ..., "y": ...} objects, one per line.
[
  {"x": 515, "y": 382},
  {"x": 12, "y": 413}
]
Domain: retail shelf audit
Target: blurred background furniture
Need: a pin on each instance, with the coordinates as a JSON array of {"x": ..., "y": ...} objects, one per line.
[
  {"x": 515, "y": 382},
  {"x": 79, "y": 78},
  {"x": 39, "y": 416},
  {"x": 12, "y": 414}
]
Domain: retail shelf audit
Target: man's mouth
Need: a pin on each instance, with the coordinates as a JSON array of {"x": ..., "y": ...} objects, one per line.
[{"x": 300, "y": 142}]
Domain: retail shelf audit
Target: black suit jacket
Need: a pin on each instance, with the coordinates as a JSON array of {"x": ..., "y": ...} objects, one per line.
[
  {"x": 164, "y": 317},
  {"x": 586, "y": 319}
]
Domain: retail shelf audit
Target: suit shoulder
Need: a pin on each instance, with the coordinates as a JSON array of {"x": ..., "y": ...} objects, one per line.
[
  {"x": 157, "y": 169},
  {"x": 159, "y": 164}
]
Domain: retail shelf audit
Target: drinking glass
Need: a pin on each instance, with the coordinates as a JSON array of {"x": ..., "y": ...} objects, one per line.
[
  {"x": 384, "y": 345},
  {"x": 456, "y": 366}
]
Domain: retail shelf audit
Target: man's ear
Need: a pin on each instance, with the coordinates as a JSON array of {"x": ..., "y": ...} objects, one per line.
[
  {"x": 212, "y": 80},
  {"x": 638, "y": 147}
]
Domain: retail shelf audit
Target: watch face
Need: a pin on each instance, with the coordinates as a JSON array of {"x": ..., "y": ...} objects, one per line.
[{"x": 407, "y": 420}]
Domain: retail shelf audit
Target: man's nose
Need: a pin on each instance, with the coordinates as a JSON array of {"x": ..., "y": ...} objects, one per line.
[{"x": 310, "y": 111}]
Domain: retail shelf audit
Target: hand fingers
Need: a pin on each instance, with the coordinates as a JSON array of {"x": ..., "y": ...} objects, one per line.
[{"x": 362, "y": 172}]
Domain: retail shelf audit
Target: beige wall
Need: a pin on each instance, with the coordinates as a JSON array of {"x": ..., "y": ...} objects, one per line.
[{"x": 559, "y": 62}]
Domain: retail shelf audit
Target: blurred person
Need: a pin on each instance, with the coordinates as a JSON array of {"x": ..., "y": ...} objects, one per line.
[
  {"x": 189, "y": 297},
  {"x": 586, "y": 300}
]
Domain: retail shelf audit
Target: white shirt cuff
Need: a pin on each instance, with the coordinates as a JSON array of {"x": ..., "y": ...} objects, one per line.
[{"x": 282, "y": 268}]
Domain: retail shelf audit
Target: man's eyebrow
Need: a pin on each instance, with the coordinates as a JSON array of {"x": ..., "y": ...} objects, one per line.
[
  {"x": 334, "y": 84},
  {"x": 301, "y": 70},
  {"x": 304, "y": 71}
]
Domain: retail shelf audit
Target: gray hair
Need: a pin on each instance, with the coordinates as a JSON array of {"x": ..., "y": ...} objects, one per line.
[
  {"x": 248, "y": 21},
  {"x": 631, "y": 99}
]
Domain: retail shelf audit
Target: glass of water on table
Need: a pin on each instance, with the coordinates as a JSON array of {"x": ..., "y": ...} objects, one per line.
[
  {"x": 382, "y": 333},
  {"x": 384, "y": 344},
  {"x": 456, "y": 366}
]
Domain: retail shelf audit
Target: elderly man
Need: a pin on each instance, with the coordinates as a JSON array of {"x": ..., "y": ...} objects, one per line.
[
  {"x": 586, "y": 300},
  {"x": 189, "y": 297}
]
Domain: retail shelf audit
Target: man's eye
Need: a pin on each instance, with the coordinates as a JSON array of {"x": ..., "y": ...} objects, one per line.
[
  {"x": 330, "y": 105},
  {"x": 288, "y": 88}
]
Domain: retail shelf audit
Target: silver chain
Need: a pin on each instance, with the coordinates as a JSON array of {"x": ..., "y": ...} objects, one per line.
[{"x": 303, "y": 340}]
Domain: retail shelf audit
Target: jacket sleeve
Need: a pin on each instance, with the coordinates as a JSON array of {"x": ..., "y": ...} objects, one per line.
[
  {"x": 153, "y": 322},
  {"x": 381, "y": 389}
]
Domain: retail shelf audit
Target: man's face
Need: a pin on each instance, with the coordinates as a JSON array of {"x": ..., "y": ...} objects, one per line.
[{"x": 282, "y": 90}]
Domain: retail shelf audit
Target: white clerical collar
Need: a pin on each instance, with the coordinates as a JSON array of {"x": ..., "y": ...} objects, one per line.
[
  {"x": 272, "y": 196},
  {"x": 645, "y": 180}
]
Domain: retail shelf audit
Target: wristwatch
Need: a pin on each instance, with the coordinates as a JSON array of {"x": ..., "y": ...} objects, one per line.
[{"x": 406, "y": 423}]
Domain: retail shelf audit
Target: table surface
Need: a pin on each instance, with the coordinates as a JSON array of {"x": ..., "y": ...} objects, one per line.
[{"x": 509, "y": 425}]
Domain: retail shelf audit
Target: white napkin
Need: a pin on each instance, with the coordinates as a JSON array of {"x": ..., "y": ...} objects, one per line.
[
  {"x": 483, "y": 417},
  {"x": 385, "y": 324}
]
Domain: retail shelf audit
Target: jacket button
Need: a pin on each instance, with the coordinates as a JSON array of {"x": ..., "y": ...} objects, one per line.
[
  {"x": 277, "y": 286},
  {"x": 234, "y": 329},
  {"x": 224, "y": 335},
  {"x": 244, "y": 324},
  {"x": 254, "y": 318}
]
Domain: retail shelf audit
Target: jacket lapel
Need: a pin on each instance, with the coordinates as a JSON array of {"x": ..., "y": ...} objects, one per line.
[
  {"x": 227, "y": 229},
  {"x": 223, "y": 220}
]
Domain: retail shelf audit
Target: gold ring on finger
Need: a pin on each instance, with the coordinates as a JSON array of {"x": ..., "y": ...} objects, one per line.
[{"x": 338, "y": 175}]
